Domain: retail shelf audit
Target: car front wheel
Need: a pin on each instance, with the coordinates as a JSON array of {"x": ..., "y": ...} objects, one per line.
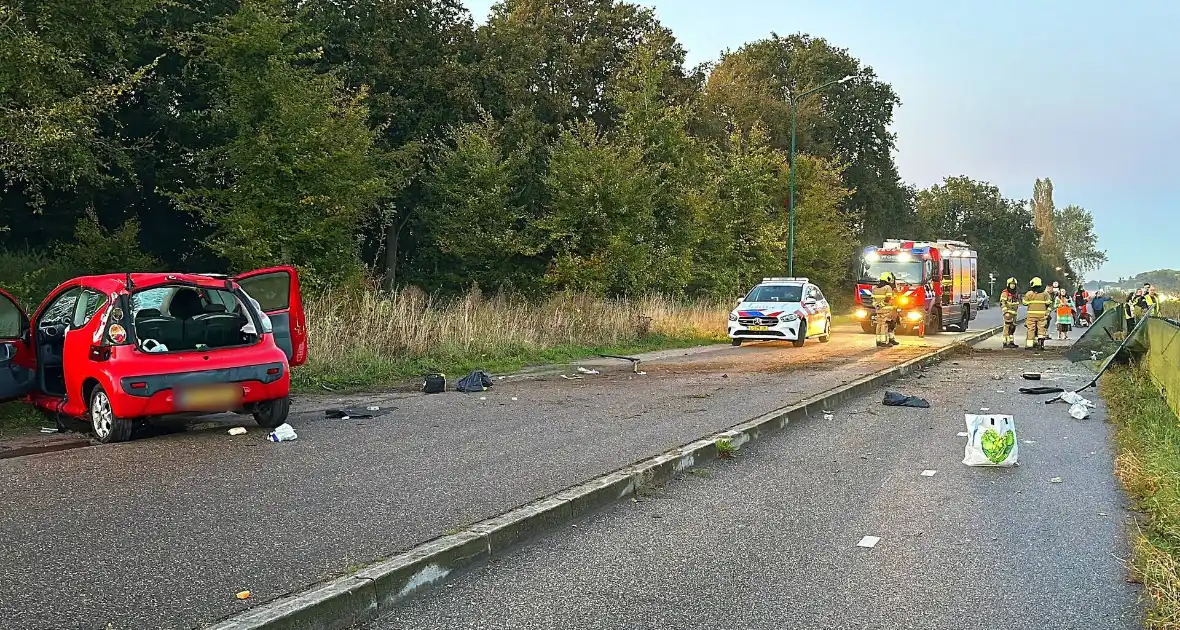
[
  {"x": 106, "y": 425},
  {"x": 827, "y": 336},
  {"x": 272, "y": 413},
  {"x": 798, "y": 343}
]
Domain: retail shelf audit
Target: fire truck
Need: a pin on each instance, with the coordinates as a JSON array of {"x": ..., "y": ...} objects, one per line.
[{"x": 937, "y": 284}]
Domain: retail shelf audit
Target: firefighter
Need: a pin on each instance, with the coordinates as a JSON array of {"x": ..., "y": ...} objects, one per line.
[
  {"x": 883, "y": 315},
  {"x": 1009, "y": 304},
  {"x": 1037, "y": 317}
]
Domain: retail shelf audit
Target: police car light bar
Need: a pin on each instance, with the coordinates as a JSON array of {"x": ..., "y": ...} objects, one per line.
[{"x": 784, "y": 279}]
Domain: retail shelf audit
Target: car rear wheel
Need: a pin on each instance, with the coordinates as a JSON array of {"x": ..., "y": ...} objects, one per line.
[
  {"x": 827, "y": 336},
  {"x": 106, "y": 425},
  {"x": 272, "y": 413}
]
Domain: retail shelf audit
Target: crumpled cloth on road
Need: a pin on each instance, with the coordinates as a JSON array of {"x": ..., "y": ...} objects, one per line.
[
  {"x": 896, "y": 399},
  {"x": 1041, "y": 390},
  {"x": 477, "y": 381}
]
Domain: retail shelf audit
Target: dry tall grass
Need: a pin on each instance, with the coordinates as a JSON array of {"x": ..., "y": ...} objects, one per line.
[{"x": 408, "y": 323}]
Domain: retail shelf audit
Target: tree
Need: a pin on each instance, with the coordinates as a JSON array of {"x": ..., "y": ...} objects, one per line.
[
  {"x": 62, "y": 71},
  {"x": 1001, "y": 229},
  {"x": 298, "y": 170},
  {"x": 416, "y": 59},
  {"x": 847, "y": 123},
  {"x": 1073, "y": 230}
]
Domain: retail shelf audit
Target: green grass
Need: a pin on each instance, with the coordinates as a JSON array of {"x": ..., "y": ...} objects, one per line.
[
  {"x": 1148, "y": 464},
  {"x": 367, "y": 370},
  {"x": 19, "y": 418}
]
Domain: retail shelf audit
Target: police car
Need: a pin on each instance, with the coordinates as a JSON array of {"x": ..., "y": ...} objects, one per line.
[{"x": 782, "y": 309}]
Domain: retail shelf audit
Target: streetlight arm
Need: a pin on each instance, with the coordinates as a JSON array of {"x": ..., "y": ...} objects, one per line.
[{"x": 825, "y": 86}]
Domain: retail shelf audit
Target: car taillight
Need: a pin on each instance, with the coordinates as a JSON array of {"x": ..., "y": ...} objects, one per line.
[
  {"x": 272, "y": 371},
  {"x": 117, "y": 334}
]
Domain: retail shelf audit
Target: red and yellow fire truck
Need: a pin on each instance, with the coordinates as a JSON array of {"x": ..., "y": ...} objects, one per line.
[{"x": 937, "y": 284}]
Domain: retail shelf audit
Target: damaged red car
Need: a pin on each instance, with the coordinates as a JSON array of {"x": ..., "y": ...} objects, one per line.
[{"x": 115, "y": 350}]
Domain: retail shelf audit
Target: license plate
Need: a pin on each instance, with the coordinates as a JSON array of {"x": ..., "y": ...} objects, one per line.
[
  {"x": 759, "y": 328},
  {"x": 209, "y": 398}
]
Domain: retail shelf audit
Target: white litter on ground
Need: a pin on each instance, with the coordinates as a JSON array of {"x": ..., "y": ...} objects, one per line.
[
  {"x": 868, "y": 542},
  {"x": 585, "y": 371},
  {"x": 1030, "y": 441},
  {"x": 1056, "y": 480},
  {"x": 1079, "y": 411},
  {"x": 514, "y": 398},
  {"x": 962, "y": 434},
  {"x": 929, "y": 473},
  {"x": 238, "y": 431},
  {"x": 483, "y": 397},
  {"x": 985, "y": 408}
]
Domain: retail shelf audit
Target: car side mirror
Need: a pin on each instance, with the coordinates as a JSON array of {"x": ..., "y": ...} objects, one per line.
[{"x": 809, "y": 302}]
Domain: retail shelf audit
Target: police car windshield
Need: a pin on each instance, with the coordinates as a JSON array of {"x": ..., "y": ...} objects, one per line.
[
  {"x": 776, "y": 293},
  {"x": 908, "y": 272}
]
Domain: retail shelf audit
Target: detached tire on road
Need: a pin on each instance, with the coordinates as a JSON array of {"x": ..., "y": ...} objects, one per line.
[
  {"x": 106, "y": 425},
  {"x": 272, "y": 413}
]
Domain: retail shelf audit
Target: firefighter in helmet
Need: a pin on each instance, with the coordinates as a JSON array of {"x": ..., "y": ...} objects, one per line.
[
  {"x": 1010, "y": 304},
  {"x": 1037, "y": 317},
  {"x": 883, "y": 311}
]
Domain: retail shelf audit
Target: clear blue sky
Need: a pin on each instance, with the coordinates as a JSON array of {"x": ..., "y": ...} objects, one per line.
[{"x": 1082, "y": 92}]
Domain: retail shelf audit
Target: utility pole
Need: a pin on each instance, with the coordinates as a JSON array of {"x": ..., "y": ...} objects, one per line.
[{"x": 794, "y": 100}]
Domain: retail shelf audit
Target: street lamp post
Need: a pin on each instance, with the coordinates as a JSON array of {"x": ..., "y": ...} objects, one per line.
[{"x": 794, "y": 100}]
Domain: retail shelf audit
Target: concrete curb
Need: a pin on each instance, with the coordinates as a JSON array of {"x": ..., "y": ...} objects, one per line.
[{"x": 347, "y": 601}]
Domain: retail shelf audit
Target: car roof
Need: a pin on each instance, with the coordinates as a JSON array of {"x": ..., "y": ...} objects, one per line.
[{"x": 117, "y": 281}]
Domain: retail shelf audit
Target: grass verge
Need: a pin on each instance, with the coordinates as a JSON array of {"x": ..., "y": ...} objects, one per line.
[
  {"x": 373, "y": 338},
  {"x": 1148, "y": 464},
  {"x": 18, "y": 418}
]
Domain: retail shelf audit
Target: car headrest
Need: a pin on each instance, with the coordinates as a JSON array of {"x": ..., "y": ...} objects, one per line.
[
  {"x": 186, "y": 304},
  {"x": 148, "y": 312},
  {"x": 215, "y": 308}
]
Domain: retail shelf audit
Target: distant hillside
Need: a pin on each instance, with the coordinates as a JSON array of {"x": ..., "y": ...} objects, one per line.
[{"x": 1166, "y": 280}]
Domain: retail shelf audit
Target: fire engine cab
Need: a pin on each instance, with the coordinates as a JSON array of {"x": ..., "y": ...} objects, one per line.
[{"x": 937, "y": 284}]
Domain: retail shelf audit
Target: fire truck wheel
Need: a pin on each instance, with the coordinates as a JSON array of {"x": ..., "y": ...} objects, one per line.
[{"x": 867, "y": 327}]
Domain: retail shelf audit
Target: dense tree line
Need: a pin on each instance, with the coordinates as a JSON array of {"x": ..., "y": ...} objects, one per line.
[{"x": 561, "y": 145}]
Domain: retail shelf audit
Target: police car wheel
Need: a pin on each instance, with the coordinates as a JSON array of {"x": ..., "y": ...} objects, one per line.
[
  {"x": 798, "y": 343},
  {"x": 827, "y": 336}
]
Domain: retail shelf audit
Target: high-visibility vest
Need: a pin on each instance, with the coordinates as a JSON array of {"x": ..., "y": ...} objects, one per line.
[
  {"x": 1152, "y": 300},
  {"x": 1128, "y": 309},
  {"x": 1037, "y": 303},
  {"x": 1009, "y": 302}
]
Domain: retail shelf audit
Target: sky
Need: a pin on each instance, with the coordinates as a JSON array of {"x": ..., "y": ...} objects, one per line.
[{"x": 1082, "y": 92}]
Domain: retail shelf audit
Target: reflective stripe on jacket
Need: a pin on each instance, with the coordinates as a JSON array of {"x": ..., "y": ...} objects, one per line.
[
  {"x": 882, "y": 296},
  {"x": 1009, "y": 302},
  {"x": 1037, "y": 303}
]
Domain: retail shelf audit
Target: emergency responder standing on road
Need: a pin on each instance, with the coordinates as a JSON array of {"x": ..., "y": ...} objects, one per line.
[
  {"x": 1037, "y": 317},
  {"x": 883, "y": 310},
  {"x": 1010, "y": 304}
]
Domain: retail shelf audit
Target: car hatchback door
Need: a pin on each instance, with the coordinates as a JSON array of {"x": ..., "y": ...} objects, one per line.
[
  {"x": 17, "y": 362},
  {"x": 276, "y": 289}
]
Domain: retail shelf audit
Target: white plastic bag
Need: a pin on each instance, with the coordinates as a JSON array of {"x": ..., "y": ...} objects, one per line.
[
  {"x": 283, "y": 433},
  {"x": 1079, "y": 411},
  {"x": 991, "y": 441},
  {"x": 1075, "y": 398}
]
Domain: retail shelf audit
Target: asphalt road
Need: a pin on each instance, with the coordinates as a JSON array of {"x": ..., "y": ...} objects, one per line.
[
  {"x": 769, "y": 541},
  {"x": 162, "y": 532}
]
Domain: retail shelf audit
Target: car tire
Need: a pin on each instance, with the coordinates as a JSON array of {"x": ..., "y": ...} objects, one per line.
[
  {"x": 735, "y": 342},
  {"x": 107, "y": 427},
  {"x": 798, "y": 343},
  {"x": 827, "y": 336},
  {"x": 272, "y": 413},
  {"x": 868, "y": 328}
]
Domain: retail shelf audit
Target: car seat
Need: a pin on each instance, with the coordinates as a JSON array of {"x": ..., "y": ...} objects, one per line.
[
  {"x": 150, "y": 324},
  {"x": 215, "y": 327}
]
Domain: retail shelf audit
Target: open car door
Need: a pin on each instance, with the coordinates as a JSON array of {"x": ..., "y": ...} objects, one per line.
[
  {"x": 277, "y": 291},
  {"x": 18, "y": 364}
]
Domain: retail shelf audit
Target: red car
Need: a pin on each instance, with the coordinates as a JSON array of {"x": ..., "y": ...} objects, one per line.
[{"x": 121, "y": 348}]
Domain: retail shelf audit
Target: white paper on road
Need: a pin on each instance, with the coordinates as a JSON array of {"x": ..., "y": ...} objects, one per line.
[
  {"x": 868, "y": 542},
  {"x": 991, "y": 441},
  {"x": 929, "y": 473},
  {"x": 963, "y": 434}
]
